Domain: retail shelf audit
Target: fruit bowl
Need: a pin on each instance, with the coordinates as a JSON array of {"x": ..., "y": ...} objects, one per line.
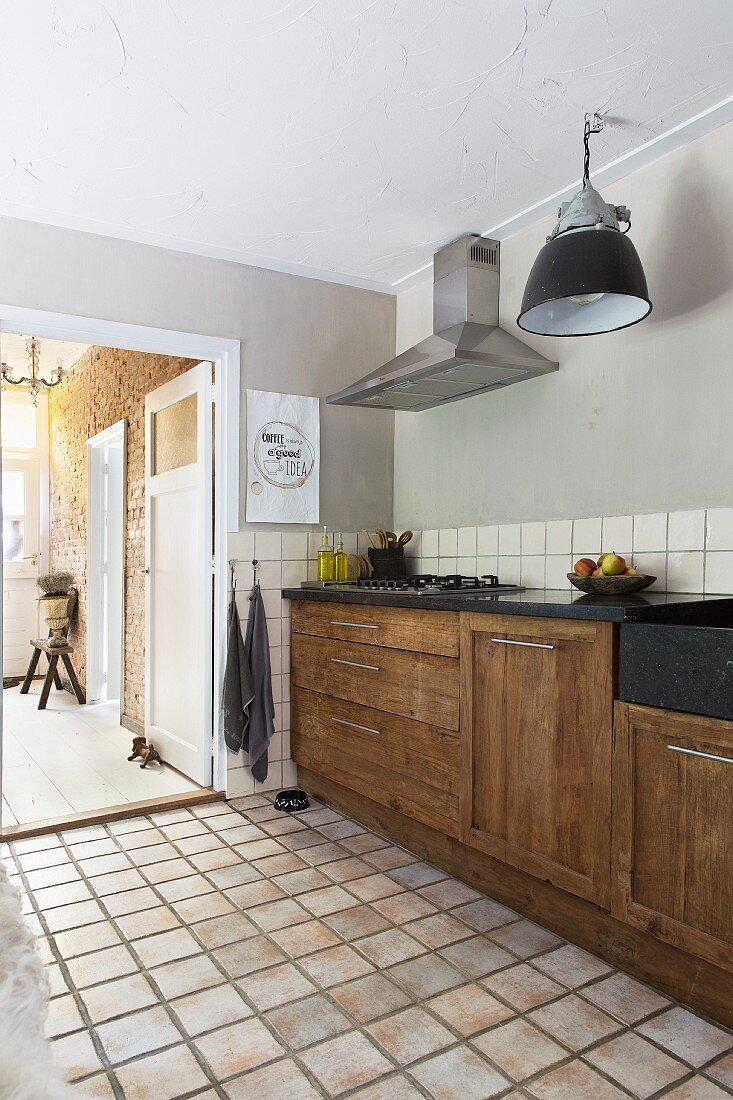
[{"x": 611, "y": 586}]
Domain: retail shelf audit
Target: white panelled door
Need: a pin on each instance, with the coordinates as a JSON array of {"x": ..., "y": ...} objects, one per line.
[{"x": 178, "y": 581}]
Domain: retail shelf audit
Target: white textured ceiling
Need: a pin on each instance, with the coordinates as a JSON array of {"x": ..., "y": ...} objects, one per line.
[{"x": 349, "y": 137}]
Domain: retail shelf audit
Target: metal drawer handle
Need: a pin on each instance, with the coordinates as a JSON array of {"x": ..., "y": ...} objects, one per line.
[
  {"x": 704, "y": 755},
  {"x": 353, "y": 664},
  {"x": 358, "y": 626},
  {"x": 355, "y": 726},
  {"x": 529, "y": 645}
]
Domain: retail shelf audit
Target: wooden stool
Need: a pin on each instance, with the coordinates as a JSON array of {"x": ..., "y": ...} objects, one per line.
[{"x": 52, "y": 676}]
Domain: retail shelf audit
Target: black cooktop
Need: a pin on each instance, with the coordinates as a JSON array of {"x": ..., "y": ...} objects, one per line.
[{"x": 427, "y": 584}]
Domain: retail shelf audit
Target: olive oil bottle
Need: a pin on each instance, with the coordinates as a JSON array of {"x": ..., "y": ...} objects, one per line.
[
  {"x": 342, "y": 561},
  {"x": 326, "y": 559}
]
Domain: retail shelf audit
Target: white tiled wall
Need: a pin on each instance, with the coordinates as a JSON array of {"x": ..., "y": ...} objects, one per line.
[{"x": 687, "y": 551}]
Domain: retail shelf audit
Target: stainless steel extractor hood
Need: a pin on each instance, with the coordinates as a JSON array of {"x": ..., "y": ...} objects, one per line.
[{"x": 468, "y": 353}]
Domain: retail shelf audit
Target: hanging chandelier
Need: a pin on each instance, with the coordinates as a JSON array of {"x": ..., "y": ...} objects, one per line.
[{"x": 33, "y": 381}]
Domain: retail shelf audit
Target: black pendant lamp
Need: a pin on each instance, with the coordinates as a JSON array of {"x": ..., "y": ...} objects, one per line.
[{"x": 588, "y": 278}]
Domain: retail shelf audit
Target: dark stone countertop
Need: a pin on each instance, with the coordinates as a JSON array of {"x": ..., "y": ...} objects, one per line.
[{"x": 550, "y": 603}]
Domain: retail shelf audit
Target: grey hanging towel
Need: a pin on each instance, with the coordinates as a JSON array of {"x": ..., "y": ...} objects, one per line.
[
  {"x": 238, "y": 689},
  {"x": 261, "y": 726}
]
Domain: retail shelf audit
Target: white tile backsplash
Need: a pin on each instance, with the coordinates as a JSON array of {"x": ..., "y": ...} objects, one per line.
[
  {"x": 510, "y": 538},
  {"x": 487, "y": 541},
  {"x": 429, "y": 544},
  {"x": 532, "y": 570},
  {"x": 466, "y": 542},
  {"x": 533, "y": 538},
  {"x": 685, "y": 571},
  {"x": 719, "y": 571},
  {"x": 719, "y": 534},
  {"x": 586, "y": 538},
  {"x": 686, "y": 530},
  {"x": 559, "y": 539},
  {"x": 617, "y": 534},
  {"x": 653, "y": 565},
  {"x": 509, "y": 569},
  {"x": 650, "y": 532},
  {"x": 448, "y": 542},
  {"x": 268, "y": 545},
  {"x": 557, "y": 567},
  {"x": 295, "y": 545}
]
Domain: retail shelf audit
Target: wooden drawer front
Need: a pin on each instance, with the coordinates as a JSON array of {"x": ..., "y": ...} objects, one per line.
[
  {"x": 394, "y": 627},
  {"x": 409, "y": 766},
  {"x": 673, "y": 828},
  {"x": 415, "y": 685}
]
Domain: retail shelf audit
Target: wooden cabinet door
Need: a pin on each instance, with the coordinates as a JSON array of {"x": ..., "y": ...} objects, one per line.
[
  {"x": 536, "y": 729},
  {"x": 673, "y": 828}
]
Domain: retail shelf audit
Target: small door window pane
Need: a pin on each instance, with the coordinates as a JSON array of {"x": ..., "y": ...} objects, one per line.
[
  {"x": 13, "y": 502},
  {"x": 175, "y": 435},
  {"x": 13, "y": 539},
  {"x": 18, "y": 425}
]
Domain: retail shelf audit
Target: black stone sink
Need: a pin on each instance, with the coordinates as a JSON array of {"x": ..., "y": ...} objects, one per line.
[{"x": 685, "y": 667}]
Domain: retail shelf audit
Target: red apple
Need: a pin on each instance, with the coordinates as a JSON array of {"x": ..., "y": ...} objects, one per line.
[{"x": 584, "y": 567}]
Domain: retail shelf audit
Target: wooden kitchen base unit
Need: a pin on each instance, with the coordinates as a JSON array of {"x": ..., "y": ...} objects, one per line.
[{"x": 696, "y": 982}]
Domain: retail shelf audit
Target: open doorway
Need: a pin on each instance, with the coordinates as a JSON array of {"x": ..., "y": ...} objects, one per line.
[{"x": 69, "y": 758}]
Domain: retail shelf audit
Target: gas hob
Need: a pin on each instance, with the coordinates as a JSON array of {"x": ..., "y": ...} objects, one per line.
[{"x": 427, "y": 584}]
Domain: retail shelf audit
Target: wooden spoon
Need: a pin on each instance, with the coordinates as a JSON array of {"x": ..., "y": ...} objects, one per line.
[{"x": 404, "y": 538}]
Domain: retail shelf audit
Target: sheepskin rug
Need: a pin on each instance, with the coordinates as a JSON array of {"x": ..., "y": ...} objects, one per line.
[{"x": 26, "y": 1066}]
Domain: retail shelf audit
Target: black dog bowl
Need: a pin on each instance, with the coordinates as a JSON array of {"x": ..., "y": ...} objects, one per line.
[{"x": 291, "y": 801}]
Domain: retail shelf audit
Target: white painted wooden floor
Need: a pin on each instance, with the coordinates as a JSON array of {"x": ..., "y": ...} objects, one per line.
[{"x": 69, "y": 759}]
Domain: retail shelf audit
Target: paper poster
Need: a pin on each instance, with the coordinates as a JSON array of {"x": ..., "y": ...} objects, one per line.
[{"x": 283, "y": 457}]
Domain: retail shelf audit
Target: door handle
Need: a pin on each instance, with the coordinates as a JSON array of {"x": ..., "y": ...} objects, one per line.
[
  {"x": 143, "y": 570},
  {"x": 356, "y": 726},
  {"x": 529, "y": 645},
  {"x": 357, "y": 626},
  {"x": 703, "y": 755},
  {"x": 353, "y": 664}
]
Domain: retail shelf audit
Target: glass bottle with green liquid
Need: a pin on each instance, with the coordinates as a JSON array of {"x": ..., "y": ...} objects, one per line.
[
  {"x": 326, "y": 559},
  {"x": 342, "y": 560}
]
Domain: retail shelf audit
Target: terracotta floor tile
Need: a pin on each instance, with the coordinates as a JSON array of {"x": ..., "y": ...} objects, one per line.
[
  {"x": 390, "y": 947},
  {"x": 304, "y": 939},
  {"x": 243, "y": 834},
  {"x": 238, "y": 1048},
  {"x": 687, "y": 1036},
  {"x": 279, "y": 865},
  {"x": 307, "y": 1022},
  {"x": 575, "y": 1081},
  {"x": 389, "y": 1088},
  {"x": 192, "y": 910},
  {"x": 523, "y": 987},
  {"x": 94, "y": 1088},
  {"x": 306, "y": 838},
  {"x": 36, "y": 844},
  {"x": 387, "y": 859},
  {"x": 143, "y": 839},
  {"x": 282, "y": 1080},
  {"x": 159, "y": 1076},
  {"x": 210, "y": 1008},
  {"x": 404, "y": 907},
  {"x": 276, "y": 986},
  {"x": 187, "y": 887},
  {"x": 459, "y": 1074},
  {"x": 338, "y": 830},
  {"x": 477, "y": 956},
  {"x": 48, "y": 857},
  {"x": 374, "y": 886},
  {"x": 227, "y": 929},
  {"x": 131, "y": 1036},
  {"x": 438, "y": 930},
  {"x": 345, "y": 1062},
  {"x": 155, "y": 853},
  {"x": 179, "y": 943},
  {"x": 571, "y": 966},
  {"x": 186, "y": 976},
  {"x": 73, "y": 916},
  {"x": 255, "y": 893},
  {"x": 485, "y": 914},
  {"x": 278, "y": 914},
  {"x": 332, "y": 899},
  {"x": 525, "y": 938},
  {"x": 417, "y": 875},
  {"x": 697, "y": 1088},
  {"x": 63, "y": 1016},
  {"x": 116, "y": 882},
  {"x": 723, "y": 1071},
  {"x": 323, "y": 853},
  {"x": 410, "y": 1034},
  {"x": 56, "y": 980},
  {"x": 52, "y": 876},
  {"x": 214, "y": 860},
  {"x": 124, "y": 995},
  {"x": 367, "y": 998},
  {"x": 636, "y": 1064},
  {"x": 64, "y": 894},
  {"x": 323, "y": 816},
  {"x": 101, "y": 966},
  {"x": 347, "y": 870},
  {"x": 574, "y": 1022},
  {"x": 226, "y": 877},
  {"x": 469, "y": 1009},
  {"x": 103, "y": 865},
  {"x": 354, "y": 923},
  {"x": 75, "y": 1055},
  {"x": 281, "y": 826},
  {"x": 243, "y": 958},
  {"x": 190, "y": 827},
  {"x": 258, "y": 849},
  {"x": 103, "y": 845},
  {"x": 195, "y": 845},
  {"x": 228, "y": 819},
  {"x": 449, "y": 893},
  {"x": 131, "y": 901},
  {"x": 625, "y": 998},
  {"x": 519, "y": 1049},
  {"x": 426, "y": 976},
  {"x": 335, "y": 965},
  {"x": 91, "y": 937},
  {"x": 166, "y": 872},
  {"x": 299, "y": 882},
  {"x": 365, "y": 842}
]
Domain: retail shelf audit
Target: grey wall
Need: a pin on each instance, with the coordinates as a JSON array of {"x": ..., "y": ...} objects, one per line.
[
  {"x": 298, "y": 335},
  {"x": 635, "y": 421}
]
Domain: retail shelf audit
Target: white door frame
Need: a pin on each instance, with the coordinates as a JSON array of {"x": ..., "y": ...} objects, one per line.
[
  {"x": 97, "y": 622},
  {"x": 225, "y": 354}
]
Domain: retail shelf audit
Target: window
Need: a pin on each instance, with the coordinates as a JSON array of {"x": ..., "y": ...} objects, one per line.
[{"x": 22, "y": 436}]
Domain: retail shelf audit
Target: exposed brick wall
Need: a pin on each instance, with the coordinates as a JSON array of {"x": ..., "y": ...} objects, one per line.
[{"x": 104, "y": 386}]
